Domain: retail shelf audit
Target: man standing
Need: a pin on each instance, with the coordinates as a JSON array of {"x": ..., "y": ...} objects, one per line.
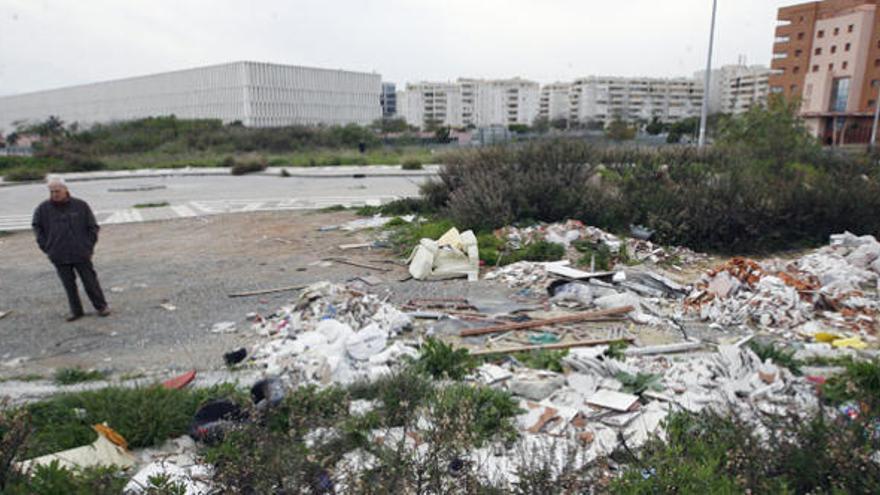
[{"x": 67, "y": 232}]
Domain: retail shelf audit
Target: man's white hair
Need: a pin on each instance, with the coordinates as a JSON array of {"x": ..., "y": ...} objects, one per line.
[{"x": 54, "y": 180}]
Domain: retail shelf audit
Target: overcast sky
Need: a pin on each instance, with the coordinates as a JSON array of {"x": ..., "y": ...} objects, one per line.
[{"x": 54, "y": 43}]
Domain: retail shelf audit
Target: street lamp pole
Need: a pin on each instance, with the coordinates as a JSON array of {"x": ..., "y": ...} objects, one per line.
[
  {"x": 876, "y": 118},
  {"x": 704, "y": 112}
]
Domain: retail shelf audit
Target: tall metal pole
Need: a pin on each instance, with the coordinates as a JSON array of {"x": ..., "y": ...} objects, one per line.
[
  {"x": 704, "y": 113},
  {"x": 876, "y": 117}
]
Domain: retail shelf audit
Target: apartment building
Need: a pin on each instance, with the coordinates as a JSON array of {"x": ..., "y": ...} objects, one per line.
[
  {"x": 602, "y": 99},
  {"x": 256, "y": 94},
  {"x": 827, "y": 54},
  {"x": 471, "y": 102},
  {"x": 430, "y": 104},
  {"x": 554, "y": 102},
  {"x": 388, "y": 100},
  {"x": 734, "y": 89}
]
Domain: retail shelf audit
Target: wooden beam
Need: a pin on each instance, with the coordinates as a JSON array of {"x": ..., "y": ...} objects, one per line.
[
  {"x": 267, "y": 291},
  {"x": 562, "y": 345},
  {"x": 603, "y": 314}
]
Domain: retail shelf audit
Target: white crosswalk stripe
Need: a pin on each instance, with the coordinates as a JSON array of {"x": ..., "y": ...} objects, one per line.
[{"x": 210, "y": 207}]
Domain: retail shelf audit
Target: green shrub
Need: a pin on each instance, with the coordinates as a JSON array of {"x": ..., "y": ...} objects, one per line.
[
  {"x": 536, "y": 251},
  {"x": 55, "y": 480},
  {"x": 411, "y": 164},
  {"x": 70, "y": 376},
  {"x": 490, "y": 411},
  {"x": 542, "y": 359},
  {"x": 24, "y": 175},
  {"x": 247, "y": 164},
  {"x": 781, "y": 357},
  {"x": 440, "y": 360},
  {"x": 860, "y": 383}
]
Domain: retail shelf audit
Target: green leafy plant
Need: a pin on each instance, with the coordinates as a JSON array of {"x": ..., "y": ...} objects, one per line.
[
  {"x": 440, "y": 360},
  {"x": 70, "y": 376},
  {"x": 779, "y": 356}
]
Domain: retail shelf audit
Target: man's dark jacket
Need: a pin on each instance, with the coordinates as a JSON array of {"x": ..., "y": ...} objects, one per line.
[{"x": 67, "y": 231}]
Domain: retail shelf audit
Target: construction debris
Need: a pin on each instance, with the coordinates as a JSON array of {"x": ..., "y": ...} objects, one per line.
[
  {"x": 452, "y": 255},
  {"x": 109, "y": 449},
  {"x": 602, "y": 315},
  {"x": 833, "y": 288}
]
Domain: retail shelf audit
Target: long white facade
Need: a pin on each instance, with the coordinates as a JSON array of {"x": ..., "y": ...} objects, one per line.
[
  {"x": 555, "y": 101},
  {"x": 470, "y": 102},
  {"x": 256, "y": 94},
  {"x": 631, "y": 99}
]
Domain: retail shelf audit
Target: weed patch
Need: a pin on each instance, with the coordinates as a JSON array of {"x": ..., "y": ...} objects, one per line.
[
  {"x": 439, "y": 360},
  {"x": 70, "y": 376}
]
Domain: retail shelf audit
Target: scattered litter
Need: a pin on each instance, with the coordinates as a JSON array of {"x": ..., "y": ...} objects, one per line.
[
  {"x": 359, "y": 245},
  {"x": 345, "y": 261},
  {"x": 267, "y": 291},
  {"x": 268, "y": 392},
  {"x": 370, "y": 280},
  {"x": 117, "y": 290},
  {"x": 454, "y": 254},
  {"x": 110, "y": 449},
  {"x": 234, "y": 357},
  {"x": 213, "y": 419},
  {"x": 611, "y": 399},
  {"x": 601, "y": 315},
  {"x": 224, "y": 327},
  {"x": 180, "y": 381},
  {"x": 4, "y": 314},
  {"x": 194, "y": 478},
  {"x": 168, "y": 306}
]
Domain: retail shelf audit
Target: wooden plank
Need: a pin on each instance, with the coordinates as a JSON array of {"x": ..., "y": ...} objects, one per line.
[
  {"x": 562, "y": 345},
  {"x": 267, "y": 291},
  {"x": 590, "y": 315},
  {"x": 361, "y": 265}
]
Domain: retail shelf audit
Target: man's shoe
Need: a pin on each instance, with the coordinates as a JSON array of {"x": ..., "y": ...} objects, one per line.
[
  {"x": 73, "y": 317},
  {"x": 104, "y": 312}
]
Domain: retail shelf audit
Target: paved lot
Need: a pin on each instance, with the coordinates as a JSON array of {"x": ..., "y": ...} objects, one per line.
[{"x": 113, "y": 200}]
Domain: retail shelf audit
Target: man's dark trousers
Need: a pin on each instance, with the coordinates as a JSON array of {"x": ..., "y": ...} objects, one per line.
[{"x": 90, "y": 282}]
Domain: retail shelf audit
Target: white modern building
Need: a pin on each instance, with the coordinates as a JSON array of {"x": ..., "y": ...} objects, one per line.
[
  {"x": 734, "y": 89},
  {"x": 555, "y": 101},
  {"x": 470, "y": 102},
  {"x": 428, "y": 104},
  {"x": 256, "y": 94},
  {"x": 602, "y": 99}
]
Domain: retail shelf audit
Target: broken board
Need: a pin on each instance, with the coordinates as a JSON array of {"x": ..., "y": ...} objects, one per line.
[{"x": 181, "y": 381}]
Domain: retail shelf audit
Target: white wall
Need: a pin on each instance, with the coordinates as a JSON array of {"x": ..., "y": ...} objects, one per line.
[{"x": 256, "y": 94}]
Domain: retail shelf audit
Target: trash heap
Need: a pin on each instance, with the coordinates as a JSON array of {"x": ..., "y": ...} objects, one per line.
[
  {"x": 831, "y": 290},
  {"x": 638, "y": 248},
  {"x": 332, "y": 334},
  {"x": 603, "y": 403}
]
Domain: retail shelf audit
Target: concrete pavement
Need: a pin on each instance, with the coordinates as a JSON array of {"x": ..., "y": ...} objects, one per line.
[{"x": 190, "y": 195}]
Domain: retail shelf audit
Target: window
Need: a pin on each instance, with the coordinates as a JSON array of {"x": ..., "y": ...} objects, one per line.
[
  {"x": 844, "y": 65},
  {"x": 839, "y": 94},
  {"x": 877, "y": 62},
  {"x": 815, "y": 68},
  {"x": 836, "y": 31},
  {"x": 797, "y": 53},
  {"x": 850, "y": 28},
  {"x": 795, "y": 70},
  {"x": 833, "y": 48},
  {"x": 800, "y": 36},
  {"x": 830, "y": 66},
  {"x": 801, "y": 19},
  {"x": 793, "y": 88},
  {"x": 818, "y": 51},
  {"x": 846, "y": 47},
  {"x": 820, "y": 34},
  {"x": 871, "y": 103}
]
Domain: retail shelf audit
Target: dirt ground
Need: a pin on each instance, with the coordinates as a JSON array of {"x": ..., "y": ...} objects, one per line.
[{"x": 192, "y": 264}]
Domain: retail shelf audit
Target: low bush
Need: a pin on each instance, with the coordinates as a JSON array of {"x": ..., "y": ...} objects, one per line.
[
  {"x": 440, "y": 360},
  {"x": 247, "y": 164},
  {"x": 708, "y": 453},
  {"x": 411, "y": 164},
  {"x": 70, "y": 376},
  {"x": 24, "y": 174}
]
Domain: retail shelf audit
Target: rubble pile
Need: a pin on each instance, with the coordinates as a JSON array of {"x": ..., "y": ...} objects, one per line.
[
  {"x": 523, "y": 275},
  {"x": 836, "y": 285},
  {"x": 588, "y": 412},
  {"x": 568, "y": 232},
  {"x": 332, "y": 334}
]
